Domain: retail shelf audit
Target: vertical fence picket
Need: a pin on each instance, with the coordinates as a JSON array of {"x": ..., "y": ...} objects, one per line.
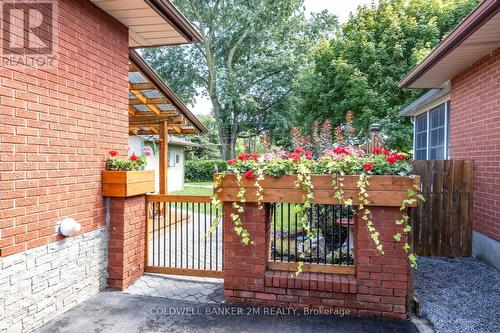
[{"x": 442, "y": 224}]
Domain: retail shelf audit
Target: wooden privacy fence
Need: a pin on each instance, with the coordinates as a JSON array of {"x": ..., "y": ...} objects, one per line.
[{"x": 442, "y": 225}]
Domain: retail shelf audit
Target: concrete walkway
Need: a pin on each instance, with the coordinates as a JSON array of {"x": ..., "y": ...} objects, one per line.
[
  {"x": 183, "y": 288},
  {"x": 116, "y": 312}
]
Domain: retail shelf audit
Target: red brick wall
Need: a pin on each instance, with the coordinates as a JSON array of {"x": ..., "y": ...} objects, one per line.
[
  {"x": 379, "y": 287},
  {"x": 56, "y": 126},
  {"x": 475, "y": 134},
  {"x": 127, "y": 230}
]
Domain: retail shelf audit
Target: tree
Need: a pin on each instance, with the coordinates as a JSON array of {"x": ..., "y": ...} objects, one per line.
[
  {"x": 359, "y": 68},
  {"x": 252, "y": 51},
  {"x": 210, "y": 147}
]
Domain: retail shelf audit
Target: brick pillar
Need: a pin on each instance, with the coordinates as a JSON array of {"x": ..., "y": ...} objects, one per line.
[
  {"x": 382, "y": 279},
  {"x": 127, "y": 230},
  {"x": 378, "y": 288},
  {"x": 244, "y": 266}
]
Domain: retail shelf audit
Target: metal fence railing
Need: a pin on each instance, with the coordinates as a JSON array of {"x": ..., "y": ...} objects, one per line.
[
  {"x": 331, "y": 237},
  {"x": 177, "y": 240}
]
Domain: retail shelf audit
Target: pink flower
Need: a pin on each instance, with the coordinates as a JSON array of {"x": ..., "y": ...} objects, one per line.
[{"x": 147, "y": 151}]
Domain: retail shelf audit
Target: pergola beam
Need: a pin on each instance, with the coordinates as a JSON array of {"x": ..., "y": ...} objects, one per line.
[
  {"x": 177, "y": 129},
  {"x": 142, "y": 86},
  {"x": 134, "y": 101},
  {"x": 152, "y": 107}
]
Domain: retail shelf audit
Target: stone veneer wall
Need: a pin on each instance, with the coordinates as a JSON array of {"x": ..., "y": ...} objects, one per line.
[{"x": 39, "y": 284}]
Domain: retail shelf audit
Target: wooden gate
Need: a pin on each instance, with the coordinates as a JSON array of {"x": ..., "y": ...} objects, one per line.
[
  {"x": 177, "y": 240},
  {"x": 442, "y": 225}
]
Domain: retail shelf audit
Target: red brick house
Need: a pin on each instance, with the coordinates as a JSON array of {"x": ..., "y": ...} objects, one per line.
[
  {"x": 61, "y": 111},
  {"x": 459, "y": 117}
]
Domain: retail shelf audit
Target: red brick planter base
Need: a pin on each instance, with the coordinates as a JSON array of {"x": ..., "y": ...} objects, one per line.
[
  {"x": 379, "y": 287},
  {"x": 127, "y": 229}
]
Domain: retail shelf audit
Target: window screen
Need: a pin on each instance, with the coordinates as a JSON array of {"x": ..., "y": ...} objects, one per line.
[
  {"x": 421, "y": 137},
  {"x": 437, "y": 140}
]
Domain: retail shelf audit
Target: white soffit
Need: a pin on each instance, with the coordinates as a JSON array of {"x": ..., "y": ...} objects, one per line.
[
  {"x": 146, "y": 27},
  {"x": 479, "y": 44}
]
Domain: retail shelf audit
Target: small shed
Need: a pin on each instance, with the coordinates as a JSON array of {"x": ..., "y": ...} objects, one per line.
[{"x": 176, "y": 148}]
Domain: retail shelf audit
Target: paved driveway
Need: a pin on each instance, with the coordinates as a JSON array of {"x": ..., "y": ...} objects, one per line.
[{"x": 116, "y": 312}]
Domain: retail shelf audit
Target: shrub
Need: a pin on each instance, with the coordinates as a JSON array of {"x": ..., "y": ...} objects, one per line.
[{"x": 203, "y": 170}]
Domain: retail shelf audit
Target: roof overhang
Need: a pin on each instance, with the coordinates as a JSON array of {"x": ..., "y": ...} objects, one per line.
[
  {"x": 152, "y": 102},
  {"x": 427, "y": 101},
  {"x": 475, "y": 37},
  {"x": 151, "y": 22}
]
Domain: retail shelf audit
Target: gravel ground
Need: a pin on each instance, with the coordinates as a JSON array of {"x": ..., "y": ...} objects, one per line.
[{"x": 459, "y": 294}]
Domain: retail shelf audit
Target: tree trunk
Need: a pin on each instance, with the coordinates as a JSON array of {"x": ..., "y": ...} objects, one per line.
[{"x": 228, "y": 142}]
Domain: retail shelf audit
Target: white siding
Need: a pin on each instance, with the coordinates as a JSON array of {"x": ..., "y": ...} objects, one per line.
[{"x": 175, "y": 173}]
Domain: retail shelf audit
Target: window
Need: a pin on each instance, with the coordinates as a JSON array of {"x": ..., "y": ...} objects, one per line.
[
  {"x": 421, "y": 137},
  {"x": 177, "y": 158},
  {"x": 432, "y": 134},
  {"x": 171, "y": 158}
]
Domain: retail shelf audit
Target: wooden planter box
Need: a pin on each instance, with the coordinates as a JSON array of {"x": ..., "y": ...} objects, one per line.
[
  {"x": 127, "y": 183},
  {"x": 382, "y": 191}
]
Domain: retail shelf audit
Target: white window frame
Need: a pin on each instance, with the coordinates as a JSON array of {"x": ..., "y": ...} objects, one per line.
[{"x": 446, "y": 152}]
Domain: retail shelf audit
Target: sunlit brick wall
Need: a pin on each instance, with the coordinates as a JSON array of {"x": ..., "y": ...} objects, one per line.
[
  {"x": 475, "y": 134},
  {"x": 57, "y": 125}
]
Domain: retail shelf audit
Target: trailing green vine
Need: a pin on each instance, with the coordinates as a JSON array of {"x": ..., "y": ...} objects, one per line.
[
  {"x": 404, "y": 221},
  {"x": 337, "y": 162},
  {"x": 304, "y": 182},
  {"x": 366, "y": 214}
]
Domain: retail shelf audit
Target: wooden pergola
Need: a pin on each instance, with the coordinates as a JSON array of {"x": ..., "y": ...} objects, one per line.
[{"x": 154, "y": 109}]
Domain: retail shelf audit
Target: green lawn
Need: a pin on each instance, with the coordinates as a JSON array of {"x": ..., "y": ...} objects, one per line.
[{"x": 200, "y": 188}]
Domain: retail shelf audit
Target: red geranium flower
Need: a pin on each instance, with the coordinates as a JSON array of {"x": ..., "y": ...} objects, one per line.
[
  {"x": 391, "y": 159},
  {"x": 380, "y": 151},
  {"x": 249, "y": 156},
  {"x": 340, "y": 150},
  {"x": 299, "y": 150},
  {"x": 249, "y": 175},
  {"x": 294, "y": 157},
  {"x": 133, "y": 157},
  {"x": 309, "y": 154},
  {"x": 368, "y": 166},
  {"x": 230, "y": 162},
  {"x": 113, "y": 153},
  {"x": 401, "y": 156}
]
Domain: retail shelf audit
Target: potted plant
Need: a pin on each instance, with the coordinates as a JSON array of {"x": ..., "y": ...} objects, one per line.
[{"x": 126, "y": 177}]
